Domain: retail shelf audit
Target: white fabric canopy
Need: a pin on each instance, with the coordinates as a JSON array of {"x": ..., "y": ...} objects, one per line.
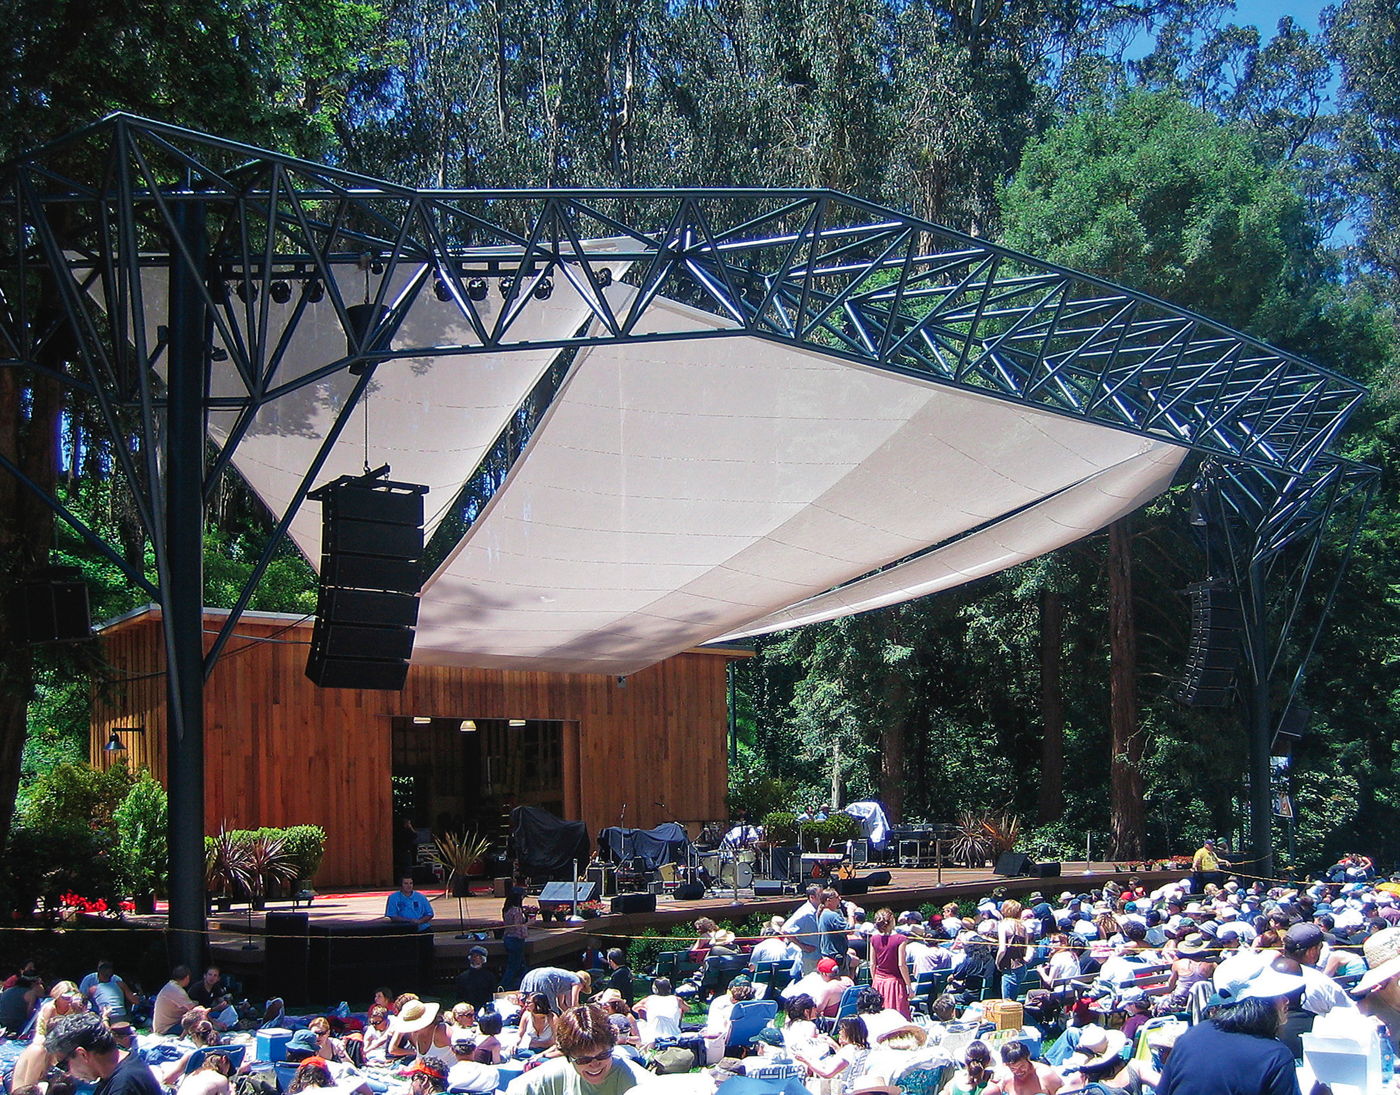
[{"x": 677, "y": 492}]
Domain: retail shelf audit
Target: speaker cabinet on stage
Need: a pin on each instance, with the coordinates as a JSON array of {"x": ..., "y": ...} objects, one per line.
[
  {"x": 1047, "y": 870},
  {"x": 878, "y": 878},
  {"x": 53, "y": 606},
  {"x": 371, "y": 570},
  {"x": 344, "y": 958},
  {"x": 848, "y": 886},
  {"x": 1215, "y": 648},
  {"x": 690, "y": 891},
  {"x": 1012, "y": 865},
  {"x": 769, "y": 887},
  {"x": 634, "y": 903},
  {"x": 286, "y": 956}
]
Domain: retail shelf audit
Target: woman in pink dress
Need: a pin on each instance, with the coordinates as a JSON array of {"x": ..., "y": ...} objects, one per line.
[{"x": 889, "y": 972}]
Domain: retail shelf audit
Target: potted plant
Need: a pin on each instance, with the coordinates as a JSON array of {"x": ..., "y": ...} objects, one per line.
[
  {"x": 142, "y": 851},
  {"x": 463, "y": 854},
  {"x": 225, "y": 867},
  {"x": 268, "y": 865}
]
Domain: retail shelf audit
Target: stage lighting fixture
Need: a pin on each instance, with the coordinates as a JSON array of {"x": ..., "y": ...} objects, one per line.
[
  {"x": 315, "y": 291},
  {"x": 280, "y": 292},
  {"x": 517, "y": 723},
  {"x": 421, "y": 720},
  {"x": 467, "y": 726},
  {"x": 544, "y": 288},
  {"x": 441, "y": 290},
  {"x": 507, "y": 288},
  {"x": 246, "y": 291},
  {"x": 476, "y": 288},
  {"x": 604, "y": 276}
]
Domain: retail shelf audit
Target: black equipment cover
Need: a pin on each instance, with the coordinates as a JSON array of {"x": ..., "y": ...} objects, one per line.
[
  {"x": 667, "y": 843},
  {"x": 545, "y": 845}
]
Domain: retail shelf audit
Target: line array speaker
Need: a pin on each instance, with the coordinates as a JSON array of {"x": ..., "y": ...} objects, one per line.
[
  {"x": 1214, "y": 652},
  {"x": 371, "y": 570}
]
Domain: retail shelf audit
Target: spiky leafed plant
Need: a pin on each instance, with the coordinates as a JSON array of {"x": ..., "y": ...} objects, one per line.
[
  {"x": 461, "y": 851},
  {"x": 226, "y": 864},
  {"x": 268, "y": 863}
]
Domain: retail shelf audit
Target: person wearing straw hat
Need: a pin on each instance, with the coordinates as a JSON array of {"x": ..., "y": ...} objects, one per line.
[
  {"x": 422, "y": 1028},
  {"x": 1237, "y": 1051},
  {"x": 1099, "y": 1058},
  {"x": 1378, "y": 994}
]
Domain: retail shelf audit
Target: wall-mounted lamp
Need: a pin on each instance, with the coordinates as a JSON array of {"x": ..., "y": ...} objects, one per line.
[{"x": 115, "y": 744}]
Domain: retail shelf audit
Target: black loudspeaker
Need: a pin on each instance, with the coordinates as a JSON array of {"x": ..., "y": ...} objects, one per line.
[
  {"x": 1291, "y": 728},
  {"x": 344, "y": 958},
  {"x": 371, "y": 569},
  {"x": 1214, "y": 652},
  {"x": 878, "y": 878},
  {"x": 1012, "y": 865},
  {"x": 634, "y": 903},
  {"x": 1047, "y": 870},
  {"x": 286, "y": 956},
  {"x": 690, "y": 891},
  {"x": 769, "y": 887},
  {"x": 53, "y": 606},
  {"x": 847, "y": 886}
]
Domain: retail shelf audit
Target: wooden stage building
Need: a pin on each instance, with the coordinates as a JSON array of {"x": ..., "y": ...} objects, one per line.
[{"x": 281, "y": 751}]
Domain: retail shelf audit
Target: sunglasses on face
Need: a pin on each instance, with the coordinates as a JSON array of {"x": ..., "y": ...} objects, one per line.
[{"x": 592, "y": 1058}]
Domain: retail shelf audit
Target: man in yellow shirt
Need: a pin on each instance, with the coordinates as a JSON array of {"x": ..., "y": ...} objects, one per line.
[{"x": 1205, "y": 867}]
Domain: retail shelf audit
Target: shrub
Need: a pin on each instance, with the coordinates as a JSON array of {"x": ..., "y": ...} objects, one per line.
[
  {"x": 780, "y": 827},
  {"x": 836, "y": 829},
  {"x": 142, "y": 849},
  {"x": 305, "y": 845},
  {"x": 77, "y": 794}
]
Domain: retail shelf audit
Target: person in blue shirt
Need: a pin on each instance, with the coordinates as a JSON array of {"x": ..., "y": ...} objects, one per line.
[{"x": 407, "y": 906}]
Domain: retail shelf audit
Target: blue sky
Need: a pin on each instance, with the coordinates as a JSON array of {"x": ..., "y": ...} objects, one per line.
[{"x": 1265, "y": 15}]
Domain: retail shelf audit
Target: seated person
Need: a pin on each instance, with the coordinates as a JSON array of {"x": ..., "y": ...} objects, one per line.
[
  {"x": 588, "y": 1063},
  {"x": 660, "y": 1013},
  {"x": 109, "y": 994},
  {"x": 487, "y": 1050},
  {"x": 469, "y": 1074},
  {"x": 536, "y": 1031},
  {"x": 825, "y": 985},
  {"x": 477, "y": 983}
]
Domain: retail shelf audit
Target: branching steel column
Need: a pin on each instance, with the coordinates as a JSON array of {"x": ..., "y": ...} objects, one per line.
[
  {"x": 184, "y": 602},
  {"x": 1259, "y": 722}
]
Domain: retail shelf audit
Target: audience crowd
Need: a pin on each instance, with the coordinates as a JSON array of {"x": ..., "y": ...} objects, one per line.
[{"x": 1207, "y": 985}]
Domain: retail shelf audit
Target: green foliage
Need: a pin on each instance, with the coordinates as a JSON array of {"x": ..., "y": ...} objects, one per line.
[
  {"x": 305, "y": 845},
  {"x": 142, "y": 847},
  {"x": 44, "y": 860},
  {"x": 780, "y": 826},
  {"x": 255, "y": 860},
  {"x": 755, "y": 790},
  {"x": 76, "y": 795},
  {"x": 836, "y": 829}
]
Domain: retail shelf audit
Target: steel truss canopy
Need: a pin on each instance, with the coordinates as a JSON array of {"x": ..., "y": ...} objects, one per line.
[{"x": 648, "y": 419}]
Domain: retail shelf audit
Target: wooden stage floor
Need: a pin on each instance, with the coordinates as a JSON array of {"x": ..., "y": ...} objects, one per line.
[{"x": 558, "y": 943}]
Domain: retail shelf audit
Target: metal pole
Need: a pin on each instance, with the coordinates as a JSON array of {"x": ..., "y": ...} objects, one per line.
[
  {"x": 184, "y": 599},
  {"x": 1260, "y": 728}
]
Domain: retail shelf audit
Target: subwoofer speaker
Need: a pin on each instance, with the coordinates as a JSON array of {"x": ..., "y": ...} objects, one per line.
[
  {"x": 1047, "y": 870},
  {"x": 689, "y": 891},
  {"x": 634, "y": 903},
  {"x": 371, "y": 569},
  {"x": 847, "y": 886}
]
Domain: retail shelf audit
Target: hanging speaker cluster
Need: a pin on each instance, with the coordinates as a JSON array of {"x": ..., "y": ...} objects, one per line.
[
  {"x": 1214, "y": 653},
  {"x": 52, "y": 607},
  {"x": 371, "y": 570}
]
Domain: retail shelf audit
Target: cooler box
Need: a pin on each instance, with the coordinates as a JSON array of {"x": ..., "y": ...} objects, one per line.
[
  {"x": 271, "y": 1044},
  {"x": 1349, "y": 1065},
  {"x": 1006, "y": 1014}
]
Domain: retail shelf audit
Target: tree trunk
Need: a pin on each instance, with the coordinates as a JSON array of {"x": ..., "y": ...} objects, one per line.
[
  {"x": 1051, "y": 802},
  {"x": 1125, "y": 763},
  {"x": 26, "y": 534}
]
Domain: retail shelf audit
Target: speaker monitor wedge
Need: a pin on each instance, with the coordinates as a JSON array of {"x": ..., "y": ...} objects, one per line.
[{"x": 634, "y": 903}]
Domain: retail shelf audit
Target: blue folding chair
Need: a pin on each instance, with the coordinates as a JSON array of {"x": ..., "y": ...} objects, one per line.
[
  {"x": 847, "y": 1007},
  {"x": 746, "y": 1020}
]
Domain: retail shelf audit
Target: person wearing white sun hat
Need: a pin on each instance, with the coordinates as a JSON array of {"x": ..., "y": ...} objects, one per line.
[{"x": 1237, "y": 1051}]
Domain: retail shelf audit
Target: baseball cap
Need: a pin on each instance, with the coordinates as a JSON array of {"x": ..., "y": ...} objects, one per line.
[
  {"x": 828, "y": 965},
  {"x": 477, "y": 950},
  {"x": 1303, "y": 936}
]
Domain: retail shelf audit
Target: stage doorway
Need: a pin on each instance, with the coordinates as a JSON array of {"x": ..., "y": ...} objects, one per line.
[{"x": 456, "y": 774}]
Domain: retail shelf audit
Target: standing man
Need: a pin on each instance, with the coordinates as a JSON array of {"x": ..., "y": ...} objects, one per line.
[
  {"x": 93, "y": 1056},
  {"x": 407, "y": 906},
  {"x": 803, "y": 929},
  {"x": 832, "y": 927},
  {"x": 1205, "y": 867}
]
